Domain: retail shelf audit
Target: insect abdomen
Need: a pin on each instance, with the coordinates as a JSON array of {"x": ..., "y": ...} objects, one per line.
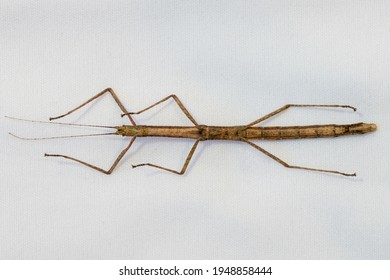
[{"x": 313, "y": 131}]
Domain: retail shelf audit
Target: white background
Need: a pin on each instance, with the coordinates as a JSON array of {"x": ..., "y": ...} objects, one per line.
[{"x": 230, "y": 62}]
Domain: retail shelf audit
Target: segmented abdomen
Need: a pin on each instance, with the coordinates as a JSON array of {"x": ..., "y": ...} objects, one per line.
[{"x": 313, "y": 131}]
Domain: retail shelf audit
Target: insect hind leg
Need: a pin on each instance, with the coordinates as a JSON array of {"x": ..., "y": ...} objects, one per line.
[
  {"x": 285, "y": 164},
  {"x": 285, "y": 107}
]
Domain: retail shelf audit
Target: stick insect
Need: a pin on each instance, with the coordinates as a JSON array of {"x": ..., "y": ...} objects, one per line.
[{"x": 198, "y": 132}]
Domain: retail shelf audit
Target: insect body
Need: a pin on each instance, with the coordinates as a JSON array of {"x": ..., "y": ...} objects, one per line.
[
  {"x": 204, "y": 132},
  {"x": 244, "y": 133}
]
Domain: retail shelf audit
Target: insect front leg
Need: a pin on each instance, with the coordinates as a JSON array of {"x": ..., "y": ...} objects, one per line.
[
  {"x": 109, "y": 171},
  {"x": 113, "y": 94}
]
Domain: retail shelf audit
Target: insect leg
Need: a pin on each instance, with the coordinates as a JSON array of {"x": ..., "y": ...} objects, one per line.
[
  {"x": 111, "y": 91},
  {"x": 171, "y": 170},
  {"x": 109, "y": 171},
  {"x": 177, "y": 100},
  {"x": 293, "y": 166},
  {"x": 285, "y": 107}
]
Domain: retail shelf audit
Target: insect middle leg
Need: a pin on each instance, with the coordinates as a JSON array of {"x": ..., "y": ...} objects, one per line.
[
  {"x": 109, "y": 171},
  {"x": 181, "y": 172},
  {"x": 293, "y": 166},
  {"x": 177, "y": 100},
  {"x": 113, "y": 94},
  {"x": 285, "y": 107}
]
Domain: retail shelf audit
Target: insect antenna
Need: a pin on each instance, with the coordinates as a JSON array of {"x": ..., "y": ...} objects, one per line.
[
  {"x": 61, "y": 123},
  {"x": 58, "y": 137}
]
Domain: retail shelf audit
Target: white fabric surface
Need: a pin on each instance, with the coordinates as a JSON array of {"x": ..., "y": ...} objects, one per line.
[{"x": 230, "y": 62}]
